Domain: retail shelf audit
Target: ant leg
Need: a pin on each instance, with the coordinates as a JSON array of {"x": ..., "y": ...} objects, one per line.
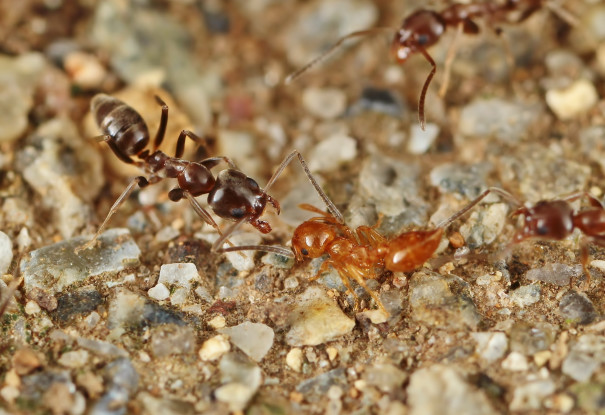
[
  {"x": 137, "y": 181},
  {"x": 324, "y": 268},
  {"x": 469, "y": 206},
  {"x": 201, "y": 212},
  {"x": 451, "y": 54},
  {"x": 360, "y": 279},
  {"x": 368, "y": 235},
  {"x": 296, "y": 74},
  {"x": 214, "y": 161},
  {"x": 159, "y": 135},
  {"x": 425, "y": 88},
  {"x": 280, "y": 250},
  {"x": 594, "y": 202},
  {"x": 565, "y": 15},
  {"x": 224, "y": 235},
  {"x": 295, "y": 153},
  {"x": 180, "y": 143},
  {"x": 584, "y": 254}
]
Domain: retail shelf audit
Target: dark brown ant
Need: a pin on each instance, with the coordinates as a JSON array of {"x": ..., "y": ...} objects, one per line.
[
  {"x": 556, "y": 219},
  {"x": 424, "y": 28},
  {"x": 231, "y": 194}
]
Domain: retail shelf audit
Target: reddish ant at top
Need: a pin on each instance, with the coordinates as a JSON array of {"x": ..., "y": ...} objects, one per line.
[{"x": 423, "y": 29}]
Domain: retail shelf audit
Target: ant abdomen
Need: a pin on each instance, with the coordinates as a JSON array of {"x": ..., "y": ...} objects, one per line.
[
  {"x": 121, "y": 122},
  {"x": 410, "y": 250}
]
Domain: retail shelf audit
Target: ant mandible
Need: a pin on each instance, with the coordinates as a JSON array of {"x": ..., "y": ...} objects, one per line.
[
  {"x": 359, "y": 255},
  {"x": 231, "y": 194},
  {"x": 556, "y": 219},
  {"x": 423, "y": 29}
]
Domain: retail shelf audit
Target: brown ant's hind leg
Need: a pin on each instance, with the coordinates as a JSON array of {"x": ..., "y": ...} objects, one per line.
[
  {"x": 159, "y": 135},
  {"x": 180, "y": 143},
  {"x": 137, "y": 181}
]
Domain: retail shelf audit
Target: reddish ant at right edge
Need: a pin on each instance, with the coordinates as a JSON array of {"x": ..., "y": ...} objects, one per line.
[
  {"x": 424, "y": 28},
  {"x": 231, "y": 194},
  {"x": 556, "y": 219}
]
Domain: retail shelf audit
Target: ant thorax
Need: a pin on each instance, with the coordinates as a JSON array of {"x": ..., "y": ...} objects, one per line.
[{"x": 419, "y": 30}]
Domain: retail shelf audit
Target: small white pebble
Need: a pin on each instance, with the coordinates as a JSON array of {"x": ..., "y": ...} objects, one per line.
[
  {"x": 144, "y": 357},
  {"x": 290, "y": 283},
  {"x": 74, "y": 359},
  {"x": 179, "y": 296},
  {"x": 541, "y": 357},
  {"x": 159, "y": 292},
  {"x": 214, "y": 347},
  {"x": 515, "y": 361},
  {"x": 324, "y": 103},
  {"x": 217, "y": 322},
  {"x": 376, "y": 316},
  {"x": 85, "y": 69},
  {"x": 332, "y": 353},
  {"x": 9, "y": 393},
  {"x": 572, "y": 101},
  {"x": 166, "y": 234},
  {"x": 331, "y": 152},
  {"x": 180, "y": 274},
  {"x": 598, "y": 263},
  {"x": 420, "y": 141},
  {"x": 32, "y": 308},
  {"x": 294, "y": 359},
  {"x": 23, "y": 239},
  {"x": 6, "y": 252}
]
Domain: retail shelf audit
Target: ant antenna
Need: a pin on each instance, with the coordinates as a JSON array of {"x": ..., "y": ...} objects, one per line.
[
  {"x": 425, "y": 88},
  {"x": 296, "y": 74},
  {"x": 445, "y": 223}
]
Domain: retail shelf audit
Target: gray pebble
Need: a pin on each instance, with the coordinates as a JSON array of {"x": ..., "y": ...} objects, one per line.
[{"x": 55, "y": 267}]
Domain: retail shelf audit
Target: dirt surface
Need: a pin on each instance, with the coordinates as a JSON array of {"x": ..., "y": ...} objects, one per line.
[{"x": 152, "y": 321}]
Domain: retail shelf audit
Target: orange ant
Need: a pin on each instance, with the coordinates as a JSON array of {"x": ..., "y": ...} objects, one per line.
[
  {"x": 358, "y": 255},
  {"x": 423, "y": 29},
  {"x": 556, "y": 219},
  {"x": 231, "y": 194}
]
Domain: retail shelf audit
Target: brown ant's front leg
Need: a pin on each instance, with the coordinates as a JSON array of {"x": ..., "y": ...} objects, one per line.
[
  {"x": 137, "y": 181},
  {"x": 274, "y": 203}
]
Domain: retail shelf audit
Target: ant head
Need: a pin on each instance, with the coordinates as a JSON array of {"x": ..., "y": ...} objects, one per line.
[
  {"x": 311, "y": 239},
  {"x": 547, "y": 219},
  {"x": 236, "y": 195},
  {"x": 418, "y": 31}
]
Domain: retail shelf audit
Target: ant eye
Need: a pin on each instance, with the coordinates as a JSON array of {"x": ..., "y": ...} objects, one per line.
[
  {"x": 304, "y": 251},
  {"x": 422, "y": 39},
  {"x": 252, "y": 183},
  {"x": 237, "y": 213}
]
